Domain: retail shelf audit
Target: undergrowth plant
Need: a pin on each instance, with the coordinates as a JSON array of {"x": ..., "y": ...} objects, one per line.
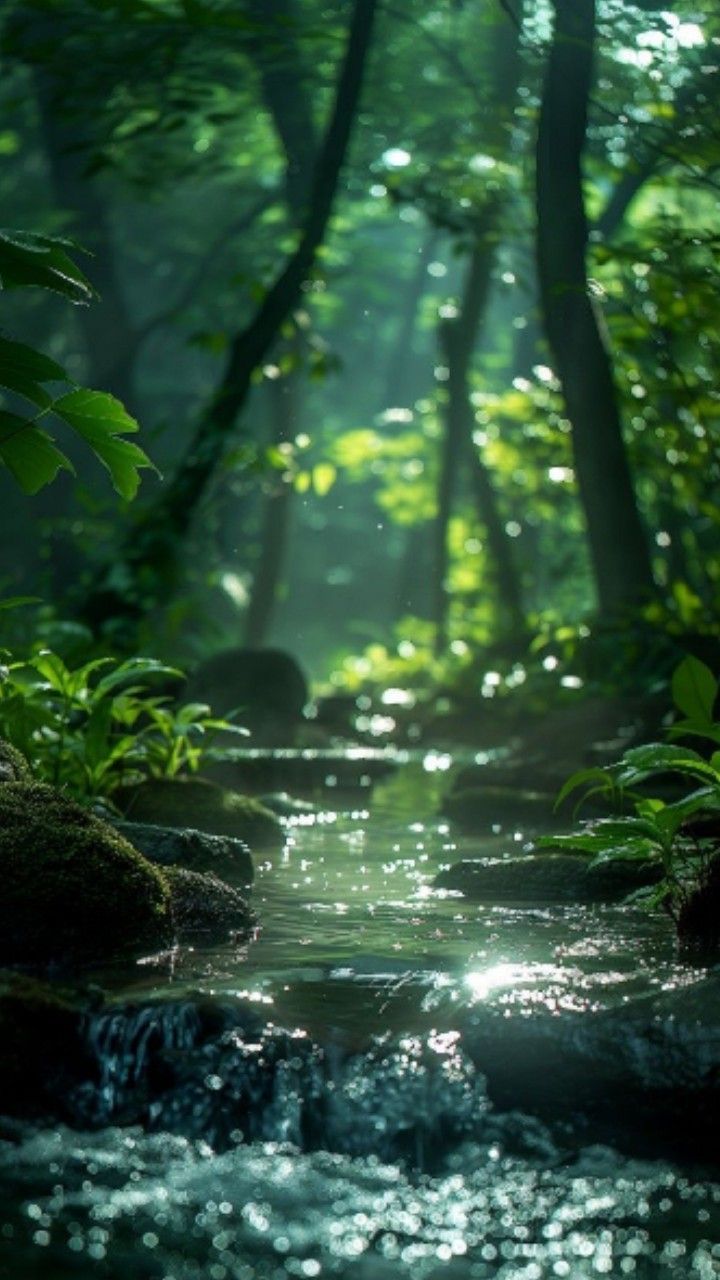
[
  {"x": 674, "y": 821},
  {"x": 96, "y": 727}
]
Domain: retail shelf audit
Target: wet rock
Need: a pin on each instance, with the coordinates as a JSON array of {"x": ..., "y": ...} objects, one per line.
[
  {"x": 201, "y": 805},
  {"x": 194, "y": 850},
  {"x": 72, "y": 888},
  {"x": 205, "y": 909},
  {"x": 643, "y": 1075},
  {"x": 698, "y": 919},
  {"x": 286, "y": 806},
  {"x": 13, "y": 765},
  {"x": 265, "y": 687},
  {"x": 44, "y": 1054},
  {"x": 476, "y": 808},
  {"x": 545, "y": 878}
]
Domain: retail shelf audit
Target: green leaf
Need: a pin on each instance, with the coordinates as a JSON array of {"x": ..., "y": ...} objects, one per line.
[
  {"x": 704, "y": 800},
  {"x": 658, "y": 757},
  {"x": 323, "y": 478},
  {"x": 42, "y": 261},
  {"x": 23, "y": 369},
  {"x": 102, "y": 420},
  {"x": 602, "y": 847},
  {"x": 14, "y": 602},
  {"x": 597, "y": 776},
  {"x": 29, "y": 363},
  {"x": 29, "y": 453},
  {"x": 131, "y": 669},
  {"x": 694, "y": 689}
]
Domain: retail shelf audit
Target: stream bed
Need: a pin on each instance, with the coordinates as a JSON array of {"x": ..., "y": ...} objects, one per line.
[{"x": 387, "y": 1081}]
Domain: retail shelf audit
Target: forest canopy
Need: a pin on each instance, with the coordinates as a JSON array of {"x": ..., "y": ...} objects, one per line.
[{"x": 414, "y": 307}]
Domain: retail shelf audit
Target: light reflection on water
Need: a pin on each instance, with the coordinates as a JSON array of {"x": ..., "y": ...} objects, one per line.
[
  {"x": 354, "y": 942},
  {"x": 354, "y": 939}
]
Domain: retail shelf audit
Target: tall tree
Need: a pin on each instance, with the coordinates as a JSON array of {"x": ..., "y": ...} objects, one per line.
[
  {"x": 459, "y": 336},
  {"x": 150, "y": 556},
  {"x": 618, "y": 547}
]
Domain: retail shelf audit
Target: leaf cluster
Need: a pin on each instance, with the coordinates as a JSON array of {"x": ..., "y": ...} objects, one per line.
[
  {"x": 96, "y": 727},
  {"x": 668, "y": 832},
  {"x": 27, "y": 449}
]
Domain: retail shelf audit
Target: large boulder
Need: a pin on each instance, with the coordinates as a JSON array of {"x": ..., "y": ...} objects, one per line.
[
  {"x": 545, "y": 878},
  {"x": 265, "y": 687},
  {"x": 193, "y": 850},
  {"x": 73, "y": 889},
  {"x": 203, "y": 805}
]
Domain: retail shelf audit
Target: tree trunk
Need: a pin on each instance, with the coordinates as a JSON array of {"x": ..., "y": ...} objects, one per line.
[
  {"x": 274, "y": 520},
  {"x": 283, "y": 80},
  {"x": 400, "y": 365},
  {"x": 107, "y": 328},
  {"x": 459, "y": 337},
  {"x": 618, "y": 548},
  {"x": 151, "y": 554}
]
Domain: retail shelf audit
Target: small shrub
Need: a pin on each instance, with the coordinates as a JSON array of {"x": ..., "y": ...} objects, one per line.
[
  {"x": 678, "y": 834},
  {"x": 97, "y": 727}
]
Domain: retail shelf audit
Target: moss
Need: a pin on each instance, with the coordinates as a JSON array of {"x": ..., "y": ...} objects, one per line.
[
  {"x": 204, "y": 908},
  {"x": 194, "y": 802},
  {"x": 13, "y": 765},
  {"x": 43, "y": 1047},
  {"x": 72, "y": 888}
]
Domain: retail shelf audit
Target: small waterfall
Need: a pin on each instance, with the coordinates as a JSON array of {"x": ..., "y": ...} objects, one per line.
[
  {"x": 213, "y": 1071},
  {"x": 124, "y": 1041}
]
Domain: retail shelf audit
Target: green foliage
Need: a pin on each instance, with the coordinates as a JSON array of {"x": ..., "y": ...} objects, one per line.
[
  {"x": 28, "y": 450},
  {"x": 669, "y": 832},
  {"x": 97, "y": 727}
]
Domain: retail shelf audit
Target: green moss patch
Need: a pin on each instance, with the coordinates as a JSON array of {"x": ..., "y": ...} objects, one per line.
[
  {"x": 72, "y": 889},
  {"x": 13, "y": 765},
  {"x": 194, "y": 802}
]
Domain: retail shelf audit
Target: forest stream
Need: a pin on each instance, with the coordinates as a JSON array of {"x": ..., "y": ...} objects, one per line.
[{"x": 386, "y": 1081}]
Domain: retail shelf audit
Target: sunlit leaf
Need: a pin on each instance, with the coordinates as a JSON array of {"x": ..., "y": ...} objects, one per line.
[
  {"x": 102, "y": 420},
  {"x": 694, "y": 689}
]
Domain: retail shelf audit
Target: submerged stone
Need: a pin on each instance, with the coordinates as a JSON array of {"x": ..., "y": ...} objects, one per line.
[
  {"x": 545, "y": 878},
  {"x": 72, "y": 888},
  {"x": 202, "y": 805}
]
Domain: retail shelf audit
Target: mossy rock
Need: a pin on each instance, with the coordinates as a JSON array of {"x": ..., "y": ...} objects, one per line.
[
  {"x": 205, "y": 909},
  {"x": 13, "y": 765},
  {"x": 44, "y": 1052},
  {"x": 546, "y": 878},
  {"x": 203, "y": 805},
  {"x": 73, "y": 890},
  {"x": 192, "y": 850}
]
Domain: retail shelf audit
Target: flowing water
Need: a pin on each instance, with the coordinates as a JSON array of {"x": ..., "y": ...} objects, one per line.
[{"x": 387, "y": 1081}]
